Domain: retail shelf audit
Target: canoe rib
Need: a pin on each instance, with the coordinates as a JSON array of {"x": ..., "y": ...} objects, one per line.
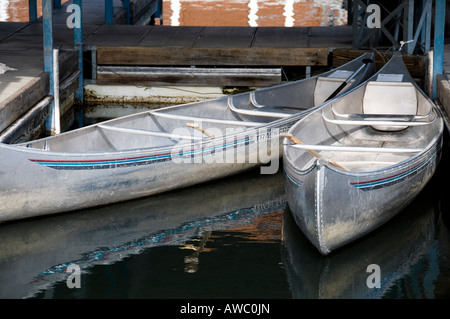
[
  {"x": 255, "y": 113},
  {"x": 204, "y": 119},
  {"x": 146, "y": 132}
]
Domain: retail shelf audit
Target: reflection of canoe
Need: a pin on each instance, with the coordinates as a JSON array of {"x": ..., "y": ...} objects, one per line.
[
  {"x": 386, "y": 138},
  {"x": 396, "y": 247},
  {"x": 160, "y": 150},
  {"x": 35, "y": 252}
]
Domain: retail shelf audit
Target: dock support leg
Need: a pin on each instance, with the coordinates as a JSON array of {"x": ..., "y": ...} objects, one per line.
[
  {"x": 32, "y": 10},
  {"x": 55, "y": 115},
  {"x": 126, "y": 6},
  {"x": 408, "y": 25},
  {"x": 78, "y": 45},
  {"x": 109, "y": 12},
  {"x": 438, "y": 51},
  {"x": 159, "y": 12},
  {"x": 47, "y": 15}
]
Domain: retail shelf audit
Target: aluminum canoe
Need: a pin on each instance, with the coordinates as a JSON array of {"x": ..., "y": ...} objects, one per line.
[
  {"x": 160, "y": 150},
  {"x": 363, "y": 159}
]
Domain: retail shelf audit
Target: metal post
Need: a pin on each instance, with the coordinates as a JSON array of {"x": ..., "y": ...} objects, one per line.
[
  {"x": 32, "y": 10},
  {"x": 438, "y": 51},
  {"x": 55, "y": 115},
  {"x": 47, "y": 15},
  {"x": 126, "y": 6},
  {"x": 78, "y": 45},
  {"x": 109, "y": 12},
  {"x": 429, "y": 9},
  {"x": 159, "y": 12},
  {"x": 408, "y": 24}
]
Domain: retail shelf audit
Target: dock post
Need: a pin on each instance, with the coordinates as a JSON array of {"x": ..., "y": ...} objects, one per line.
[
  {"x": 55, "y": 115},
  {"x": 47, "y": 16},
  {"x": 126, "y": 6},
  {"x": 109, "y": 12},
  {"x": 78, "y": 45},
  {"x": 159, "y": 12},
  {"x": 438, "y": 50},
  {"x": 32, "y": 10},
  {"x": 426, "y": 35},
  {"x": 408, "y": 25}
]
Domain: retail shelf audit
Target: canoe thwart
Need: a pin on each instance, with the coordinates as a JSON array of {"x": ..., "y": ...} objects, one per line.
[
  {"x": 298, "y": 142},
  {"x": 378, "y": 119},
  {"x": 201, "y": 129},
  {"x": 406, "y": 117},
  {"x": 147, "y": 132},
  {"x": 204, "y": 119},
  {"x": 366, "y": 149},
  {"x": 255, "y": 112}
]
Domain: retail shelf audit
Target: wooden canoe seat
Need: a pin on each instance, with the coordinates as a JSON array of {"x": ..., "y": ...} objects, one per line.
[{"x": 390, "y": 99}]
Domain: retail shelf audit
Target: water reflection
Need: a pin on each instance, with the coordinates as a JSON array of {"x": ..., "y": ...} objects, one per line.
[
  {"x": 252, "y": 17},
  {"x": 289, "y": 13},
  {"x": 34, "y": 254},
  {"x": 4, "y": 14},
  {"x": 409, "y": 251},
  {"x": 254, "y": 13},
  {"x": 224, "y": 12},
  {"x": 232, "y": 238},
  {"x": 175, "y": 6}
]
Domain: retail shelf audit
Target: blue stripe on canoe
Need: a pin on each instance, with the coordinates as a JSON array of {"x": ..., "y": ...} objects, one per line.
[
  {"x": 292, "y": 179},
  {"x": 390, "y": 180},
  {"x": 130, "y": 161}
]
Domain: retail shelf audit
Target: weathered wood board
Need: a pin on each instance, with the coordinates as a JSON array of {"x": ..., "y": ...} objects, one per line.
[
  {"x": 417, "y": 65},
  {"x": 201, "y": 56},
  {"x": 113, "y": 75}
]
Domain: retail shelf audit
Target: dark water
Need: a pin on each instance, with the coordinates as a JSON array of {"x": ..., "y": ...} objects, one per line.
[{"x": 233, "y": 238}]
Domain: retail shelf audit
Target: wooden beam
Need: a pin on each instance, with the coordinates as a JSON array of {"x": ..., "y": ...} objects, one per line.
[
  {"x": 259, "y": 77},
  {"x": 416, "y": 65},
  {"x": 212, "y": 56},
  {"x": 22, "y": 100}
]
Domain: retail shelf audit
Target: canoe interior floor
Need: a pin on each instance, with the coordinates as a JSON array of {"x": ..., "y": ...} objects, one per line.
[{"x": 371, "y": 161}]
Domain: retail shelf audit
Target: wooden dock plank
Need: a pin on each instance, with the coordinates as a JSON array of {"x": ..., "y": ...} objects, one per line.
[
  {"x": 417, "y": 65},
  {"x": 111, "y": 75},
  {"x": 20, "y": 101},
  {"x": 212, "y": 56}
]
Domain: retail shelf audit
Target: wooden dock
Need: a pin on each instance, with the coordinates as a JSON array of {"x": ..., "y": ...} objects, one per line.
[
  {"x": 171, "y": 55},
  {"x": 443, "y": 86},
  {"x": 206, "y": 47},
  {"x": 148, "y": 55}
]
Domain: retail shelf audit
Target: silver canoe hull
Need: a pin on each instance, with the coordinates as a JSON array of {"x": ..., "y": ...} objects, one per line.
[
  {"x": 384, "y": 166},
  {"x": 160, "y": 150}
]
